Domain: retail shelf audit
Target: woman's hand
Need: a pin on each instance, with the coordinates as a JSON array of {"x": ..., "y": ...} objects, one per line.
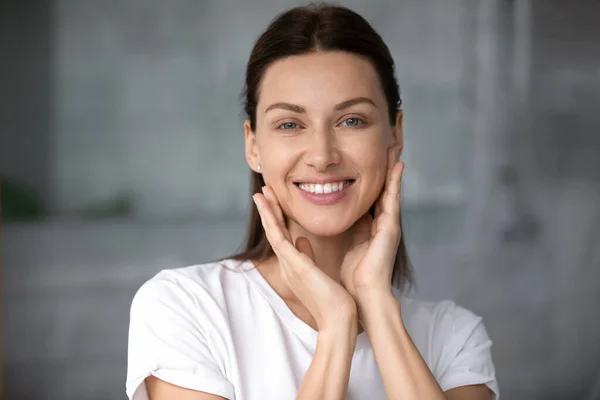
[
  {"x": 370, "y": 261},
  {"x": 326, "y": 300}
]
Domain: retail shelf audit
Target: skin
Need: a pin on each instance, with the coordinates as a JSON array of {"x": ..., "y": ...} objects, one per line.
[
  {"x": 322, "y": 143},
  {"x": 333, "y": 263}
]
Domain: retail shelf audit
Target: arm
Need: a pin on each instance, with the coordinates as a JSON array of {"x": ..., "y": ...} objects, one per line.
[
  {"x": 160, "y": 390},
  {"x": 329, "y": 372},
  {"x": 404, "y": 372},
  {"x": 326, "y": 378},
  {"x": 332, "y": 307},
  {"x": 366, "y": 272},
  {"x": 167, "y": 344},
  {"x": 470, "y": 392}
]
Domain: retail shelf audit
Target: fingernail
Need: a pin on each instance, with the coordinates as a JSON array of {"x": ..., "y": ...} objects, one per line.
[
  {"x": 254, "y": 198},
  {"x": 263, "y": 189}
]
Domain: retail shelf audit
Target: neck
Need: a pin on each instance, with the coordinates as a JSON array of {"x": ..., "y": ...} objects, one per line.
[{"x": 329, "y": 251}]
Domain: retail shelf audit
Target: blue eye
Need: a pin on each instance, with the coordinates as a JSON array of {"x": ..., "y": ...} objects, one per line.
[
  {"x": 352, "y": 122},
  {"x": 286, "y": 126}
]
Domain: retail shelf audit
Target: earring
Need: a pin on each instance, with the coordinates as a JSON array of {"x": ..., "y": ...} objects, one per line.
[{"x": 258, "y": 167}]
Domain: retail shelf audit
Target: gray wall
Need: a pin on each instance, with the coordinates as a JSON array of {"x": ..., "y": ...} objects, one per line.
[
  {"x": 136, "y": 148},
  {"x": 25, "y": 86}
]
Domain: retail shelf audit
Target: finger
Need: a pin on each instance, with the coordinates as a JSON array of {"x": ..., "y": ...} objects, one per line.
[
  {"x": 391, "y": 200},
  {"x": 272, "y": 229},
  {"x": 388, "y": 179},
  {"x": 396, "y": 178},
  {"x": 375, "y": 225},
  {"x": 271, "y": 197},
  {"x": 391, "y": 162},
  {"x": 273, "y": 202},
  {"x": 282, "y": 247},
  {"x": 303, "y": 246},
  {"x": 298, "y": 262},
  {"x": 378, "y": 203}
]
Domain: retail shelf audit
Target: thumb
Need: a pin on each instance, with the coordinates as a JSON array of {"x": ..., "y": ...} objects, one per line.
[{"x": 303, "y": 246}]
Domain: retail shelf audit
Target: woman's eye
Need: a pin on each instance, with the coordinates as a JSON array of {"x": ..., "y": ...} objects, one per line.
[
  {"x": 352, "y": 122},
  {"x": 286, "y": 126}
]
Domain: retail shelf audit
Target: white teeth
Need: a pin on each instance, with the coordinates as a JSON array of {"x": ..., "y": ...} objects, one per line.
[{"x": 324, "y": 188}]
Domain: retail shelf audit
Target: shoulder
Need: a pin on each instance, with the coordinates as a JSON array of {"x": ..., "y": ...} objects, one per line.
[
  {"x": 453, "y": 342},
  {"x": 178, "y": 328},
  {"x": 445, "y": 317},
  {"x": 194, "y": 289},
  {"x": 440, "y": 328},
  {"x": 193, "y": 280}
]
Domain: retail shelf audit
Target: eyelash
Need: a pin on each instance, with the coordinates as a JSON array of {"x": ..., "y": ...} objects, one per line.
[
  {"x": 361, "y": 121},
  {"x": 280, "y": 127}
]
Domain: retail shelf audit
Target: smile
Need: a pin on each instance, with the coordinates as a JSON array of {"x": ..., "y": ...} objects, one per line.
[{"x": 325, "y": 188}]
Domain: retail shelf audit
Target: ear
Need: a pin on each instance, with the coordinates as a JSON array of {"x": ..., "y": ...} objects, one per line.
[
  {"x": 252, "y": 156},
  {"x": 398, "y": 134}
]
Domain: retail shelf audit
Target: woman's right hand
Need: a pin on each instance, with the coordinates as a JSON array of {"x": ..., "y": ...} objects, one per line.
[{"x": 328, "y": 301}]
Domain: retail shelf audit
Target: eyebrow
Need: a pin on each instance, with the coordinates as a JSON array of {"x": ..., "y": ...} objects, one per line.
[{"x": 300, "y": 110}]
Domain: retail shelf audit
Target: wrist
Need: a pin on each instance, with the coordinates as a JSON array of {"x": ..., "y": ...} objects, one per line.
[
  {"x": 377, "y": 305},
  {"x": 339, "y": 318},
  {"x": 341, "y": 321},
  {"x": 338, "y": 335},
  {"x": 373, "y": 295}
]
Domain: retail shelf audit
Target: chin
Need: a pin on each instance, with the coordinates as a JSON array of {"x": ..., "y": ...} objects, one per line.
[{"x": 325, "y": 225}]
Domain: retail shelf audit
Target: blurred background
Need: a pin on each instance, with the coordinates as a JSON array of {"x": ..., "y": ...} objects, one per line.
[{"x": 121, "y": 153}]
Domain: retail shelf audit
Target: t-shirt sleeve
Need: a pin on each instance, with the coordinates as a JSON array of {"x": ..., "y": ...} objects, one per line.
[
  {"x": 465, "y": 349},
  {"x": 167, "y": 339}
]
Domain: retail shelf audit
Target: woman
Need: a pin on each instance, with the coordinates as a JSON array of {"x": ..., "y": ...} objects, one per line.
[{"x": 310, "y": 310}]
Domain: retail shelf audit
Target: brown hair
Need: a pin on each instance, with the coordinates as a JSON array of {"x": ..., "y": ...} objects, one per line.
[{"x": 301, "y": 30}]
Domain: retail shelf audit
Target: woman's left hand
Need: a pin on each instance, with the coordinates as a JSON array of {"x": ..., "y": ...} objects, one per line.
[{"x": 370, "y": 261}]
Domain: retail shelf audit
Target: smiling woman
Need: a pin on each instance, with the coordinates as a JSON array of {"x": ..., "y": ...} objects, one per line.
[{"x": 315, "y": 306}]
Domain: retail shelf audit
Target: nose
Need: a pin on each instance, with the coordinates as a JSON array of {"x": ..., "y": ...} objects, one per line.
[{"x": 322, "y": 150}]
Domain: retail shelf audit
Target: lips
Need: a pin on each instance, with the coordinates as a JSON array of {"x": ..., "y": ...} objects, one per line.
[
  {"x": 325, "y": 188},
  {"x": 326, "y": 193}
]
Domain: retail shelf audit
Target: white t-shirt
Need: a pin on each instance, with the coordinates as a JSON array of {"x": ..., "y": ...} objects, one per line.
[{"x": 221, "y": 328}]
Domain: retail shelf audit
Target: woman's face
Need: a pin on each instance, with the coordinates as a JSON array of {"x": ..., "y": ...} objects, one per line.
[{"x": 322, "y": 138}]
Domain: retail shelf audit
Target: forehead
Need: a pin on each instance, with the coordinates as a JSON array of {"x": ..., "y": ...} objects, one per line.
[{"x": 319, "y": 78}]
